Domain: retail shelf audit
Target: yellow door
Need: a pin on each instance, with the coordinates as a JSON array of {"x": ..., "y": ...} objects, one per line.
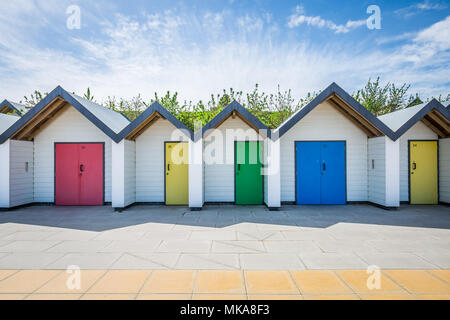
[
  {"x": 177, "y": 173},
  {"x": 423, "y": 172}
]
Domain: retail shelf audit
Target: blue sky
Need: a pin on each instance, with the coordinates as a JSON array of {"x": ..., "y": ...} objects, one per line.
[{"x": 124, "y": 48}]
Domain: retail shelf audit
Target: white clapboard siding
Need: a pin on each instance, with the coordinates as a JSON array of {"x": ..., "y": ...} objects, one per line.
[
  {"x": 4, "y": 173},
  {"x": 130, "y": 172},
  {"x": 326, "y": 123},
  {"x": 266, "y": 177},
  {"x": 377, "y": 170},
  {"x": 69, "y": 126},
  {"x": 150, "y": 149},
  {"x": 21, "y": 177},
  {"x": 444, "y": 170},
  {"x": 417, "y": 132},
  {"x": 219, "y": 176}
]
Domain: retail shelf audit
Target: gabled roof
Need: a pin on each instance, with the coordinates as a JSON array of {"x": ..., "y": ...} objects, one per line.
[
  {"x": 432, "y": 113},
  {"x": 147, "y": 118},
  {"x": 6, "y": 121},
  {"x": 245, "y": 115},
  {"x": 8, "y": 106},
  {"x": 108, "y": 121},
  {"x": 347, "y": 105}
]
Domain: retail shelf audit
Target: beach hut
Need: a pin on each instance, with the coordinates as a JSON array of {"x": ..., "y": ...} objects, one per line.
[
  {"x": 66, "y": 141},
  {"x": 13, "y": 108},
  {"x": 334, "y": 151},
  {"x": 423, "y": 132},
  {"x": 12, "y": 165},
  {"x": 236, "y": 146},
  {"x": 154, "y": 162}
]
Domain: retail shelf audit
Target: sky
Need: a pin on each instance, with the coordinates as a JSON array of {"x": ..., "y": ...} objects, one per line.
[{"x": 199, "y": 47}]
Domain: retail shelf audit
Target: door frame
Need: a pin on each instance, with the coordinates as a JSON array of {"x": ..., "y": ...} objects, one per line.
[
  {"x": 164, "y": 166},
  {"x": 409, "y": 165},
  {"x": 54, "y": 166},
  {"x": 235, "y": 167},
  {"x": 295, "y": 165}
]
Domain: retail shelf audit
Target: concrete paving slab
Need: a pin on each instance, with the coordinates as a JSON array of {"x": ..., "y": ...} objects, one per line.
[
  {"x": 73, "y": 246},
  {"x": 440, "y": 259},
  {"x": 307, "y": 235},
  {"x": 21, "y": 260},
  {"x": 29, "y": 235},
  {"x": 88, "y": 261},
  {"x": 28, "y": 246},
  {"x": 345, "y": 246},
  {"x": 270, "y": 261},
  {"x": 208, "y": 261},
  {"x": 213, "y": 235},
  {"x": 69, "y": 234},
  {"x": 332, "y": 261},
  {"x": 237, "y": 247},
  {"x": 396, "y": 261},
  {"x": 165, "y": 235},
  {"x": 340, "y": 232},
  {"x": 180, "y": 246},
  {"x": 245, "y": 227},
  {"x": 260, "y": 235},
  {"x": 278, "y": 226},
  {"x": 144, "y": 246},
  {"x": 139, "y": 260},
  {"x": 120, "y": 235},
  {"x": 291, "y": 246}
]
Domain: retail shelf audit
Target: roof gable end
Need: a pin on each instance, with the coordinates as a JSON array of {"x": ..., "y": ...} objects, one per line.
[
  {"x": 367, "y": 121},
  {"x": 244, "y": 114},
  {"x": 12, "y": 106},
  {"x": 78, "y": 103},
  {"x": 145, "y": 119},
  {"x": 434, "y": 115}
]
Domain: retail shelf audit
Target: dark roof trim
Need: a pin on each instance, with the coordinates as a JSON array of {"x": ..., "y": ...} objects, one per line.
[
  {"x": 432, "y": 105},
  {"x": 57, "y": 92},
  {"x": 225, "y": 113},
  {"x": 335, "y": 89},
  {"x": 124, "y": 116},
  {"x": 12, "y": 106},
  {"x": 155, "y": 107}
]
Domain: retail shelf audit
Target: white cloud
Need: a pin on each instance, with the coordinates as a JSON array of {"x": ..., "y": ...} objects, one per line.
[
  {"x": 299, "y": 18},
  {"x": 250, "y": 24},
  {"x": 438, "y": 35},
  {"x": 417, "y": 8},
  {"x": 396, "y": 38},
  {"x": 200, "y": 54}
]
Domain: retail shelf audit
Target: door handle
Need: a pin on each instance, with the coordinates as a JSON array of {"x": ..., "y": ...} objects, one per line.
[
  {"x": 81, "y": 167},
  {"x": 239, "y": 167},
  {"x": 324, "y": 167},
  {"x": 414, "y": 166},
  {"x": 168, "y": 167}
]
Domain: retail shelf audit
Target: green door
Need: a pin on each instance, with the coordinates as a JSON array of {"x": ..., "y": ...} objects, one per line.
[{"x": 249, "y": 180}]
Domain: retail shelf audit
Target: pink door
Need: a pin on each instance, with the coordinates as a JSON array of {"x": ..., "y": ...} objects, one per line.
[{"x": 79, "y": 174}]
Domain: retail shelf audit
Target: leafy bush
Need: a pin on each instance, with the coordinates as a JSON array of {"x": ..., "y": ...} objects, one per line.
[{"x": 271, "y": 109}]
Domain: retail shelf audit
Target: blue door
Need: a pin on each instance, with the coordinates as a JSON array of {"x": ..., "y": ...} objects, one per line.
[
  {"x": 320, "y": 171},
  {"x": 308, "y": 172}
]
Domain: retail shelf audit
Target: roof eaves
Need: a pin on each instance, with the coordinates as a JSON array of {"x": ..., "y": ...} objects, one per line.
[
  {"x": 225, "y": 113},
  {"x": 58, "y": 92},
  {"x": 13, "y": 106},
  {"x": 335, "y": 89},
  {"x": 155, "y": 107},
  {"x": 432, "y": 105}
]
